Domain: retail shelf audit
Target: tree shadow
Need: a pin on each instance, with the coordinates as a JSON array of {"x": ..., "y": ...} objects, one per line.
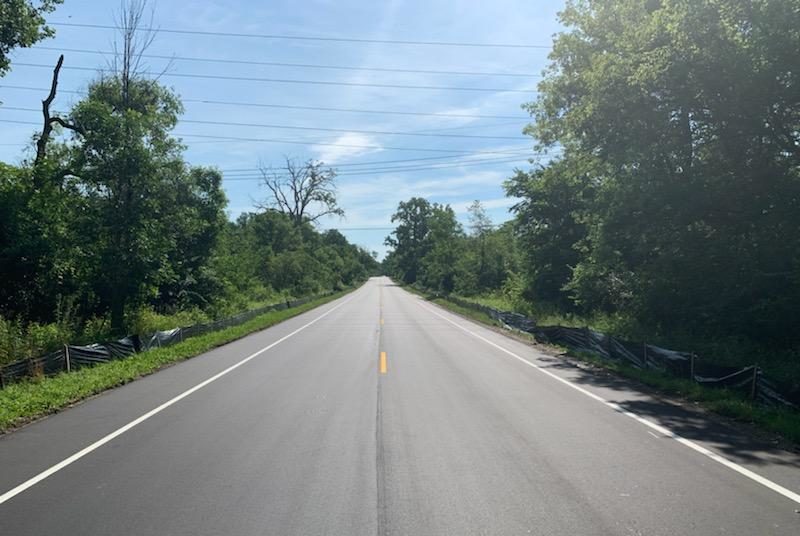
[{"x": 736, "y": 443}]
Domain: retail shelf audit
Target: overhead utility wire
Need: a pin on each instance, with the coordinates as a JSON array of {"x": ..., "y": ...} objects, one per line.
[
  {"x": 307, "y": 37},
  {"x": 312, "y": 108},
  {"x": 318, "y": 143},
  {"x": 286, "y": 64},
  {"x": 376, "y": 162},
  {"x": 390, "y": 170},
  {"x": 354, "y": 146},
  {"x": 290, "y": 81},
  {"x": 356, "y": 131},
  {"x": 426, "y": 165},
  {"x": 320, "y": 129}
]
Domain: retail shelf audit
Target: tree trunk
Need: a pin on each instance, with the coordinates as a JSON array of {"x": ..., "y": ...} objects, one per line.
[{"x": 118, "y": 311}]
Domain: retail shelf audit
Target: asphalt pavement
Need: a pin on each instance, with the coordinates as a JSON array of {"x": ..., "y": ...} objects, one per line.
[{"x": 383, "y": 414}]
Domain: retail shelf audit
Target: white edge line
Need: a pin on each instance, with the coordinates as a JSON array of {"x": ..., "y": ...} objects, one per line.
[
  {"x": 118, "y": 432},
  {"x": 777, "y": 488}
]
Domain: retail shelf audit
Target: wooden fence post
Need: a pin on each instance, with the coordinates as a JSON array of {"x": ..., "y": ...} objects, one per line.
[
  {"x": 67, "y": 364},
  {"x": 754, "y": 386},
  {"x": 691, "y": 366}
]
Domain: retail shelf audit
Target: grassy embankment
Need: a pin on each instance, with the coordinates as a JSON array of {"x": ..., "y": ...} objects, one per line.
[
  {"x": 724, "y": 402},
  {"x": 25, "y": 401}
]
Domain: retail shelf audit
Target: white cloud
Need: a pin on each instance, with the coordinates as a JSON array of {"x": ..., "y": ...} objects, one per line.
[{"x": 349, "y": 145}]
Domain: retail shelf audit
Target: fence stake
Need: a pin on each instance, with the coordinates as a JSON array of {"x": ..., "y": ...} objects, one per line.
[
  {"x": 645, "y": 356},
  {"x": 754, "y": 386},
  {"x": 691, "y": 366},
  {"x": 66, "y": 357}
]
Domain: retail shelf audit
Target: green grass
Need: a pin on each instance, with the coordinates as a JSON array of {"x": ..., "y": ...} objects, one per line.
[
  {"x": 724, "y": 402},
  {"x": 23, "y": 402},
  {"x": 779, "y": 364}
]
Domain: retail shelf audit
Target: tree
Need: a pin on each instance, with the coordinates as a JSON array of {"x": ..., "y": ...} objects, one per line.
[
  {"x": 408, "y": 240},
  {"x": 687, "y": 113},
  {"x": 304, "y": 192},
  {"x": 22, "y": 24},
  {"x": 444, "y": 249},
  {"x": 550, "y": 227},
  {"x": 135, "y": 181}
]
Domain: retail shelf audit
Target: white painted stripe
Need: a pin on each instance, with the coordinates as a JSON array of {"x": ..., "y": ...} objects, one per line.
[
  {"x": 116, "y": 433},
  {"x": 777, "y": 488}
]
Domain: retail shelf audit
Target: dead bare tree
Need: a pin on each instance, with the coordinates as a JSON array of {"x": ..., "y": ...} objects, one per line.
[
  {"x": 136, "y": 35},
  {"x": 303, "y": 191},
  {"x": 49, "y": 119}
]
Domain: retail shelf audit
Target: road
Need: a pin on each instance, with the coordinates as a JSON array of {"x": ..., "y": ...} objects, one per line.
[{"x": 381, "y": 413}]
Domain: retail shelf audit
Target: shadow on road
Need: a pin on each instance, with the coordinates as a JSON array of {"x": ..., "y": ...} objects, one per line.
[{"x": 685, "y": 420}]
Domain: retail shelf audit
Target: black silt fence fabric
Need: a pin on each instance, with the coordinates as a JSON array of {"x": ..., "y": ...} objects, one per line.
[
  {"x": 749, "y": 380},
  {"x": 82, "y": 356},
  {"x": 92, "y": 354}
]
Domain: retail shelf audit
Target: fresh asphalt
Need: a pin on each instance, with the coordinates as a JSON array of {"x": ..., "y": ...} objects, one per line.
[{"x": 463, "y": 431}]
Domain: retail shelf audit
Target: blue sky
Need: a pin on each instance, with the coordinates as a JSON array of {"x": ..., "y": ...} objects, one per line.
[{"x": 370, "y": 196}]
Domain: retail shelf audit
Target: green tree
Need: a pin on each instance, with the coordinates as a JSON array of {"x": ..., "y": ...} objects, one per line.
[
  {"x": 409, "y": 239},
  {"x": 127, "y": 161},
  {"x": 444, "y": 249},
  {"x": 550, "y": 226},
  {"x": 22, "y": 24},
  {"x": 691, "y": 111}
]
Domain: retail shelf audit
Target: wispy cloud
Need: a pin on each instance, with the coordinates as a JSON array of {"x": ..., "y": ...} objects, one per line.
[{"x": 349, "y": 145}]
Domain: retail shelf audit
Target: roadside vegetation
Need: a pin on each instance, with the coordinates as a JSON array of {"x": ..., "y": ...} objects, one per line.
[
  {"x": 664, "y": 207},
  {"x": 107, "y": 230},
  {"x": 665, "y": 204},
  {"x": 23, "y": 402}
]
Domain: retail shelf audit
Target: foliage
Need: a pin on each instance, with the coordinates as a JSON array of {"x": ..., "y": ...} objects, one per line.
[
  {"x": 111, "y": 231},
  {"x": 676, "y": 198},
  {"x": 25, "y": 401},
  {"x": 22, "y": 24},
  {"x": 429, "y": 246}
]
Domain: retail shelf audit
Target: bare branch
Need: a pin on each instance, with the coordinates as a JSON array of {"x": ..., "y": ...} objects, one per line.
[
  {"x": 300, "y": 188},
  {"x": 47, "y": 128}
]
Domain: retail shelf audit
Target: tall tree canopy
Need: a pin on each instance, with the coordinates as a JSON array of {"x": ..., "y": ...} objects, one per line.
[
  {"x": 680, "y": 177},
  {"x": 22, "y": 24}
]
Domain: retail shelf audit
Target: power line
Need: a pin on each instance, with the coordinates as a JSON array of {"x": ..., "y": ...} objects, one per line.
[
  {"x": 307, "y": 37},
  {"x": 355, "y": 131},
  {"x": 393, "y": 169},
  {"x": 357, "y": 110},
  {"x": 320, "y": 129},
  {"x": 377, "y": 162},
  {"x": 360, "y": 229},
  {"x": 20, "y": 122},
  {"x": 290, "y": 81},
  {"x": 409, "y": 165},
  {"x": 310, "y": 108},
  {"x": 317, "y": 143},
  {"x": 300, "y": 65},
  {"x": 352, "y": 146}
]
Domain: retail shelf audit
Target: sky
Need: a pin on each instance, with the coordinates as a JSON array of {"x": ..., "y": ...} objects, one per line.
[{"x": 425, "y": 147}]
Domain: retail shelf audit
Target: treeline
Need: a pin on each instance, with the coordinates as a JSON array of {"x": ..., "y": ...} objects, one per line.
[
  {"x": 431, "y": 248},
  {"x": 671, "y": 197},
  {"x": 108, "y": 230}
]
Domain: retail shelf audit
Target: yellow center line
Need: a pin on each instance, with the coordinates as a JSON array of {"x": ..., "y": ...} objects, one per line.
[{"x": 383, "y": 362}]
